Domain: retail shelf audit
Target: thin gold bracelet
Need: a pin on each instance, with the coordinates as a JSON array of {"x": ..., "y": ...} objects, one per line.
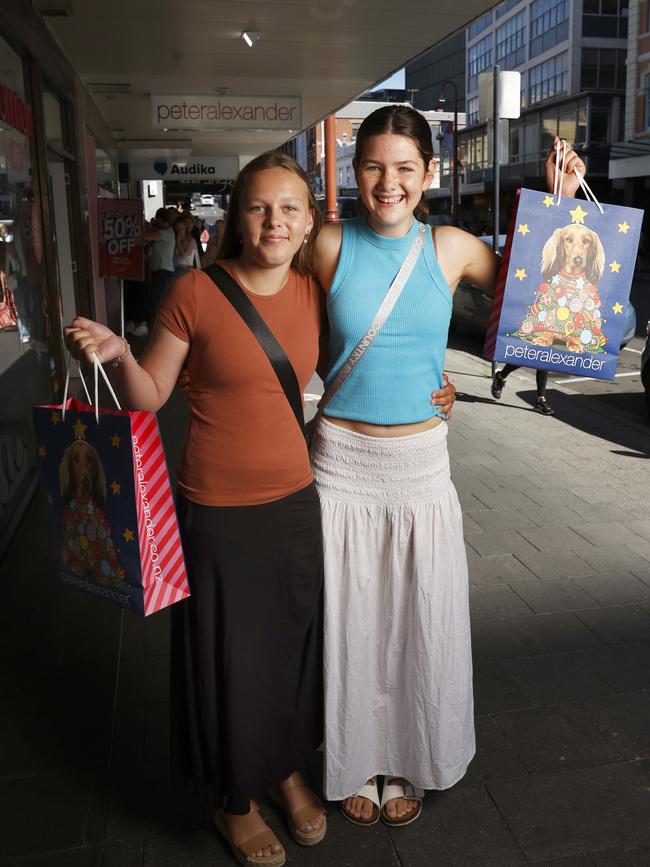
[{"x": 120, "y": 358}]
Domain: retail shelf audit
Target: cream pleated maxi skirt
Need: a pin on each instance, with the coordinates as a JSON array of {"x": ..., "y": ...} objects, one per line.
[{"x": 398, "y": 666}]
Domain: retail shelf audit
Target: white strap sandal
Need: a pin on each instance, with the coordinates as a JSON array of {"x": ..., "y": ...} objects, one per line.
[
  {"x": 370, "y": 792},
  {"x": 394, "y": 790}
]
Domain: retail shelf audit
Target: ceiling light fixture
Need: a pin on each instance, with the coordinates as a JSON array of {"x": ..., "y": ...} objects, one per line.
[{"x": 250, "y": 37}]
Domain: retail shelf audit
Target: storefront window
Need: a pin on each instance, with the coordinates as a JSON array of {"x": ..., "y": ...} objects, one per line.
[
  {"x": 105, "y": 173},
  {"x": 24, "y": 358}
]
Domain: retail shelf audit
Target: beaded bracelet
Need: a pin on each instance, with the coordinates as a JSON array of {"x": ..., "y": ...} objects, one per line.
[{"x": 120, "y": 358}]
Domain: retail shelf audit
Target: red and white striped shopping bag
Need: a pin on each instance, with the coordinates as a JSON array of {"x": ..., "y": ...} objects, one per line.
[{"x": 111, "y": 506}]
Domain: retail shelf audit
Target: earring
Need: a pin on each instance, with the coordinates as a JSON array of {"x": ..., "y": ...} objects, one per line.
[{"x": 306, "y": 241}]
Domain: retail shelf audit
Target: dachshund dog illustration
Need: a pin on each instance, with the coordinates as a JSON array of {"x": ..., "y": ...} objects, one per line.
[
  {"x": 87, "y": 550},
  {"x": 566, "y": 308}
]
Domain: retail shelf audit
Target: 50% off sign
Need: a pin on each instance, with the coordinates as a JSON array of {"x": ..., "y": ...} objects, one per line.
[{"x": 120, "y": 238}]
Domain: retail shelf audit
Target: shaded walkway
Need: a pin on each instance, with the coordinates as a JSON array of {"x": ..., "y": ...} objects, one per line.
[{"x": 558, "y": 536}]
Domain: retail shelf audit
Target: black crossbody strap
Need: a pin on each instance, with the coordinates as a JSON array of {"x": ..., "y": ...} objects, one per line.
[{"x": 275, "y": 353}]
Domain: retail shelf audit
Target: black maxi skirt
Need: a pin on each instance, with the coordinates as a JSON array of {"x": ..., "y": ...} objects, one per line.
[{"x": 246, "y": 647}]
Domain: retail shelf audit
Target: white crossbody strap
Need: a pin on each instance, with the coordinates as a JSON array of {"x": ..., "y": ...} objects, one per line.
[{"x": 381, "y": 316}]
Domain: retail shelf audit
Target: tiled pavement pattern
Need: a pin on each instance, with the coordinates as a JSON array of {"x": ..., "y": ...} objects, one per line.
[{"x": 558, "y": 535}]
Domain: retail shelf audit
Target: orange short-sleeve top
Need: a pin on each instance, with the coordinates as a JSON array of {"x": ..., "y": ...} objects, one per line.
[{"x": 243, "y": 445}]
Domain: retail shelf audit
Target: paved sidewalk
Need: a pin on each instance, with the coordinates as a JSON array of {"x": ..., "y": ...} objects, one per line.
[{"x": 558, "y": 536}]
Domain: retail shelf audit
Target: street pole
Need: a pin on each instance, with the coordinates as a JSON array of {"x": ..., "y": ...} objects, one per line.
[
  {"x": 455, "y": 187},
  {"x": 331, "y": 210},
  {"x": 496, "y": 167},
  {"x": 454, "y": 177},
  {"x": 496, "y": 158}
]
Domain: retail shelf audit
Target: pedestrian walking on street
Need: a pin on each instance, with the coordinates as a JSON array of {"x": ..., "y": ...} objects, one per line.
[
  {"x": 499, "y": 381},
  {"x": 186, "y": 251},
  {"x": 398, "y": 671}
]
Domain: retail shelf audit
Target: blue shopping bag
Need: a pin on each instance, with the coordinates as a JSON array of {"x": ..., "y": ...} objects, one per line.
[{"x": 564, "y": 284}]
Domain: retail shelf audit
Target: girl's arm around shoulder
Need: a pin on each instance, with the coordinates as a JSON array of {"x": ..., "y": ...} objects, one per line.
[
  {"x": 327, "y": 249},
  {"x": 463, "y": 256}
]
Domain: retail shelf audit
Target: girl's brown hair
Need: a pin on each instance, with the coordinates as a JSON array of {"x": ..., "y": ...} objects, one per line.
[
  {"x": 399, "y": 120},
  {"x": 231, "y": 244}
]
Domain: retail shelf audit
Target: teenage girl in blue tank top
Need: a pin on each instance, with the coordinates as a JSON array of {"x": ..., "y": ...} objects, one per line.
[{"x": 387, "y": 397}]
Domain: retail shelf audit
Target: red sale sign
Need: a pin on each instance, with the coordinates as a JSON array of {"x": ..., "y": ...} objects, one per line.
[{"x": 121, "y": 251}]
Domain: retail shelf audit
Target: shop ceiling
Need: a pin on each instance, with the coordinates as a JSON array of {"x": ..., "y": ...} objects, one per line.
[{"x": 326, "y": 52}]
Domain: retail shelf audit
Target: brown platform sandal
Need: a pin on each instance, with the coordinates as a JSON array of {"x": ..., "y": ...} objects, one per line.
[
  {"x": 244, "y": 852},
  {"x": 302, "y": 816}
]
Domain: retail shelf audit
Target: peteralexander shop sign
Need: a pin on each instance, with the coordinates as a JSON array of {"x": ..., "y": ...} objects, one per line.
[
  {"x": 14, "y": 111},
  {"x": 225, "y": 112},
  {"x": 217, "y": 169}
]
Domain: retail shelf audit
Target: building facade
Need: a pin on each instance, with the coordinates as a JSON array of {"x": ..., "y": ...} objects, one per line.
[{"x": 572, "y": 58}]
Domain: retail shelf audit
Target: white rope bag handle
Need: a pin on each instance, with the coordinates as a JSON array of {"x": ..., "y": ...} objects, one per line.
[
  {"x": 97, "y": 367},
  {"x": 558, "y": 177}
]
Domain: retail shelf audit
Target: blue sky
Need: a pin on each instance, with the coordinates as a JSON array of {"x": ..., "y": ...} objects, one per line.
[{"x": 396, "y": 80}]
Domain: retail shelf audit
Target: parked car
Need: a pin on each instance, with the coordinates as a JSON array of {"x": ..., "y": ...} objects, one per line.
[
  {"x": 207, "y": 199},
  {"x": 471, "y": 309},
  {"x": 645, "y": 368}
]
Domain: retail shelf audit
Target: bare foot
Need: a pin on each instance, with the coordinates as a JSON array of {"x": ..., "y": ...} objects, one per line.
[
  {"x": 399, "y": 808},
  {"x": 296, "y": 795},
  {"x": 360, "y": 808},
  {"x": 242, "y": 828}
]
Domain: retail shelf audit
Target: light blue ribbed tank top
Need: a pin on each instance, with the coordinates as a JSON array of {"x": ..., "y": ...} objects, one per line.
[{"x": 393, "y": 381}]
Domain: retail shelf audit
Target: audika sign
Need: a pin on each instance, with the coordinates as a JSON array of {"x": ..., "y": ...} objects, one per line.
[
  {"x": 225, "y": 112},
  {"x": 121, "y": 250},
  {"x": 220, "y": 170}
]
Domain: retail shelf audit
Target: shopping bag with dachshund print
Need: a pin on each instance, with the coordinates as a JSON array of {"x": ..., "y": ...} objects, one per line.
[
  {"x": 564, "y": 285},
  {"x": 111, "y": 506}
]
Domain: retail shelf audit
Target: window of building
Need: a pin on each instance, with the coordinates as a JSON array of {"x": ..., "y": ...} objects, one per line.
[
  {"x": 511, "y": 41},
  {"x": 607, "y": 18},
  {"x": 504, "y": 8},
  {"x": 531, "y": 138},
  {"x": 547, "y": 79},
  {"x": 581, "y": 119},
  {"x": 647, "y": 102},
  {"x": 479, "y": 58},
  {"x": 472, "y": 110},
  {"x": 549, "y": 24},
  {"x": 603, "y": 68},
  {"x": 24, "y": 345},
  {"x": 599, "y": 131},
  {"x": 479, "y": 25},
  {"x": 474, "y": 146},
  {"x": 514, "y": 144},
  {"x": 567, "y": 123}
]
